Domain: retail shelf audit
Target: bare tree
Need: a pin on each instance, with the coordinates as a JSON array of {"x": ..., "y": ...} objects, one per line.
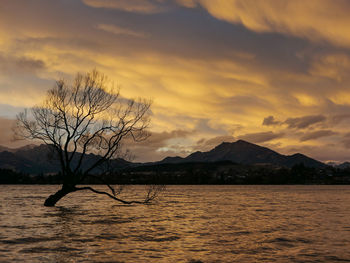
[{"x": 88, "y": 116}]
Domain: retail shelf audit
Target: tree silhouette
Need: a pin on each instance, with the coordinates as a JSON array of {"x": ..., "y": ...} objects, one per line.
[{"x": 88, "y": 116}]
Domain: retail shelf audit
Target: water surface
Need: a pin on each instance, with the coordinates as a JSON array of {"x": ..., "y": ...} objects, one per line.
[{"x": 188, "y": 224}]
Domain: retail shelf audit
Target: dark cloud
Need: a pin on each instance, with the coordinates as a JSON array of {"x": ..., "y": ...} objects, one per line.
[
  {"x": 304, "y": 122},
  {"x": 21, "y": 64},
  {"x": 270, "y": 120},
  {"x": 260, "y": 137},
  {"x": 336, "y": 119},
  {"x": 137, "y": 6},
  {"x": 317, "y": 134}
]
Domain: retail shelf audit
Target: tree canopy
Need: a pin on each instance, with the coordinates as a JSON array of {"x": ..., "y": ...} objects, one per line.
[{"x": 87, "y": 116}]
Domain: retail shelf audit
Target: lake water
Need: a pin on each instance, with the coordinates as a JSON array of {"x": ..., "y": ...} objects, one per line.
[{"x": 187, "y": 224}]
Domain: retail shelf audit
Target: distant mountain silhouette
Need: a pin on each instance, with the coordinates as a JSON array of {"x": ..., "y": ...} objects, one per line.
[
  {"x": 243, "y": 152},
  {"x": 9, "y": 160},
  {"x": 35, "y": 159}
]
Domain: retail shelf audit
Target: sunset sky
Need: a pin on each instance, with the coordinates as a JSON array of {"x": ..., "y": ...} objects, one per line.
[{"x": 272, "y": 72}]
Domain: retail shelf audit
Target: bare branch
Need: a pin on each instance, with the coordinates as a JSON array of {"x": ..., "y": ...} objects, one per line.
[
  {"x": 111, "y": 196},
  {"x": 99, "y": 178}
]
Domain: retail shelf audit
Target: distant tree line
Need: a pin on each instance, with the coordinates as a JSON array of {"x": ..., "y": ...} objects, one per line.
[{"x": 199, "y": 173}]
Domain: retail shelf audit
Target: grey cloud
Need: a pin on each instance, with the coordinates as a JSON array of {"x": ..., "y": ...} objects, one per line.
[
  {"x": 270, "y": 120},
  {"x": 117, "y": 30},
  {"x": 11, "y": 64},
  {"x": 304, "y": 122},
  {"x": 317, "y": 134},
  {"x": 260, "y": 137},
  {"x": 136, "y": 6},
  {"x": 336, "y": 119}
]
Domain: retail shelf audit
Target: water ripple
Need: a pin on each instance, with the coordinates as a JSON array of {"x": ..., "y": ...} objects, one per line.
[{"x": 191, "y": 224}]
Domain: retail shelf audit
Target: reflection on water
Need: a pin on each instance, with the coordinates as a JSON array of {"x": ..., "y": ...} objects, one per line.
[{"x": 188, "y": 224}]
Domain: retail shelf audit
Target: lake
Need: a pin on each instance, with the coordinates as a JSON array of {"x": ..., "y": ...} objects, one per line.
[{"x": 187, "y": 224}]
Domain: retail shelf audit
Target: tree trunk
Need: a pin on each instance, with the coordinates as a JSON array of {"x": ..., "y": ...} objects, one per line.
[{"x": 53, "y": 199}]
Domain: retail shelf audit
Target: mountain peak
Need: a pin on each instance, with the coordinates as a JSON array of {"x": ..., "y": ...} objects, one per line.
[
  {"x": 236, "y": 142},
  {"x": 242, "y": 142}
]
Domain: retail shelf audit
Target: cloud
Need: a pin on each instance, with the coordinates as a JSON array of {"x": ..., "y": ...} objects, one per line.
[
  {"x": 305, "y": 121},
  {"x": 260, "y": 137},
  {"x": 323, "y": 153},
  {"x": 6, "y": 131},
  {"x": 7, "y": 136},
  {"x": 317, "y": 134},
  {"x": 334, "y": 65},
  {"x": 20, "y": 64},
  {"x": 158, "y": 138},
  {"x": 316, "y": 20},
  {"x": 120, "y": 30},
  {"x": 137, "y": 6},
  {"x": 346, "y": 140},
  {"x": 9, "y": 112},
  {"x": 158, "y": 146},
  {"x": 336, "y": 119},
  {"x": 270, "y": 120}
]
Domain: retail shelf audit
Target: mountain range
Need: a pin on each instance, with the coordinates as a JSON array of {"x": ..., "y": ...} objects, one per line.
[
  {"x": 38, "y": 159},
  {"x": 243, "y": 152},
  {"x": 33, "y": 159}
]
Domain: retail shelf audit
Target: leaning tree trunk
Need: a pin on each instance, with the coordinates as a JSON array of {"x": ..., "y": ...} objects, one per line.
[{"x": 53, "y": 199}]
